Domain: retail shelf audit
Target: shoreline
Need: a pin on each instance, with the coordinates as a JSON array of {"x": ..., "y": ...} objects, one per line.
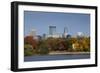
[
  {"x": 68, "y": 53},
  {"x": 63, "y": 53}
]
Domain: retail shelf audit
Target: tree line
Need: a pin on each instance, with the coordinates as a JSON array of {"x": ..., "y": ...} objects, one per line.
[{"x": 34, "y": 46}]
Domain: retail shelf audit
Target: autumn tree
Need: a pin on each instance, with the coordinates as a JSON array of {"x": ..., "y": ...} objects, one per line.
[{"x": 30, "y": 40}]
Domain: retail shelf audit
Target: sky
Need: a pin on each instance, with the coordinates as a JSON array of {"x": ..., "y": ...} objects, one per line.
[{"x": 40, "y": 21}]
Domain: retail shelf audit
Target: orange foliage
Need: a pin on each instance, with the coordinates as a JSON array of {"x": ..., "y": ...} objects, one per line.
[{"x": 30, "y": 40}]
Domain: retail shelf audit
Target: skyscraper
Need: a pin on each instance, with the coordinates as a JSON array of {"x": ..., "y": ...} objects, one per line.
[
  {"x": 65, "y": 32},
  {"x": 52, "y": 30},
  {"x": 33, "y": 33}
]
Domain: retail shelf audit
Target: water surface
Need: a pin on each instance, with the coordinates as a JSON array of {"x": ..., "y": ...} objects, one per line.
[{"x": 56, "y": 57}]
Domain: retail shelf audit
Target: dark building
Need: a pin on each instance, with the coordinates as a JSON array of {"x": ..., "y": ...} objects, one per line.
[{"x": 52, "y": 30}]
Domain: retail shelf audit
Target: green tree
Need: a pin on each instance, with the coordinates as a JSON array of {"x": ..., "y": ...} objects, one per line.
[
  {"x": 28, "y": 50},
  {"x": 42, "y": 47}
]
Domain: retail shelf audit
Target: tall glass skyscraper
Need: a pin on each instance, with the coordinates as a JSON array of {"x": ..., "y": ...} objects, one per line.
[
  {"x": 65, "y": 32},
  {"x": 52, "y": 30}
]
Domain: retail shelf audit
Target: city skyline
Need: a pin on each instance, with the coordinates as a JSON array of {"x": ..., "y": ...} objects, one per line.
[{"x": 40, "y": 21}]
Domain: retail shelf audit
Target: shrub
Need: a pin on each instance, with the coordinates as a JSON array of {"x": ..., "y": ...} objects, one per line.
[
  {"x": 86, "y": 50},
  {"x": 28, "y": 53},
  {"x": 43, "y": 51},
  {"x": 28, "y": 50}
]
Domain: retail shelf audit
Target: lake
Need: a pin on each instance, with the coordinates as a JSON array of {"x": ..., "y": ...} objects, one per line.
[{"x": 56, "y": 57}]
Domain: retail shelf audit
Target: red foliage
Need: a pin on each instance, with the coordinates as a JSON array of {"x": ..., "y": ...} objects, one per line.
[{"x": 30, "y": 40}]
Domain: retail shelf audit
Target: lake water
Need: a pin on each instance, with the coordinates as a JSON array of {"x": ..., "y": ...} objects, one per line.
[{"x": 56, "y": 57}]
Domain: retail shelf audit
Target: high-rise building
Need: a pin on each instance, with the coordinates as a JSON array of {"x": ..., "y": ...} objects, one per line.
[
  {"x": 52, "y": 30},
  {"x": 35, "y": 36},
  {"x": 44, "y": 36},
  {"x": 53, "y": 33},
  {"x": 33, "y": 33},
  {"x": 80, "y": 34},
  {"x": 65, "y": 32}
]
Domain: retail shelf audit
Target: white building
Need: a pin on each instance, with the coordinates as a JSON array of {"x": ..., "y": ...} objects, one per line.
[
  {"x": 54, "y": 36},
  {"x": 33, "y": 33}
]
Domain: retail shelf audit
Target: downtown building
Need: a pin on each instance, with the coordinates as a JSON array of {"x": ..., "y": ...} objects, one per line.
[{"x": 53, "y": 33}]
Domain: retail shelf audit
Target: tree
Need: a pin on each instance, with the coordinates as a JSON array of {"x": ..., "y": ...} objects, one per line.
[
  {"x": 52, "y": 44},
  {"x": 81, "y": 44},
  {"x": 30, "y": 40},
  {"x": 28, "y": 50}
]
